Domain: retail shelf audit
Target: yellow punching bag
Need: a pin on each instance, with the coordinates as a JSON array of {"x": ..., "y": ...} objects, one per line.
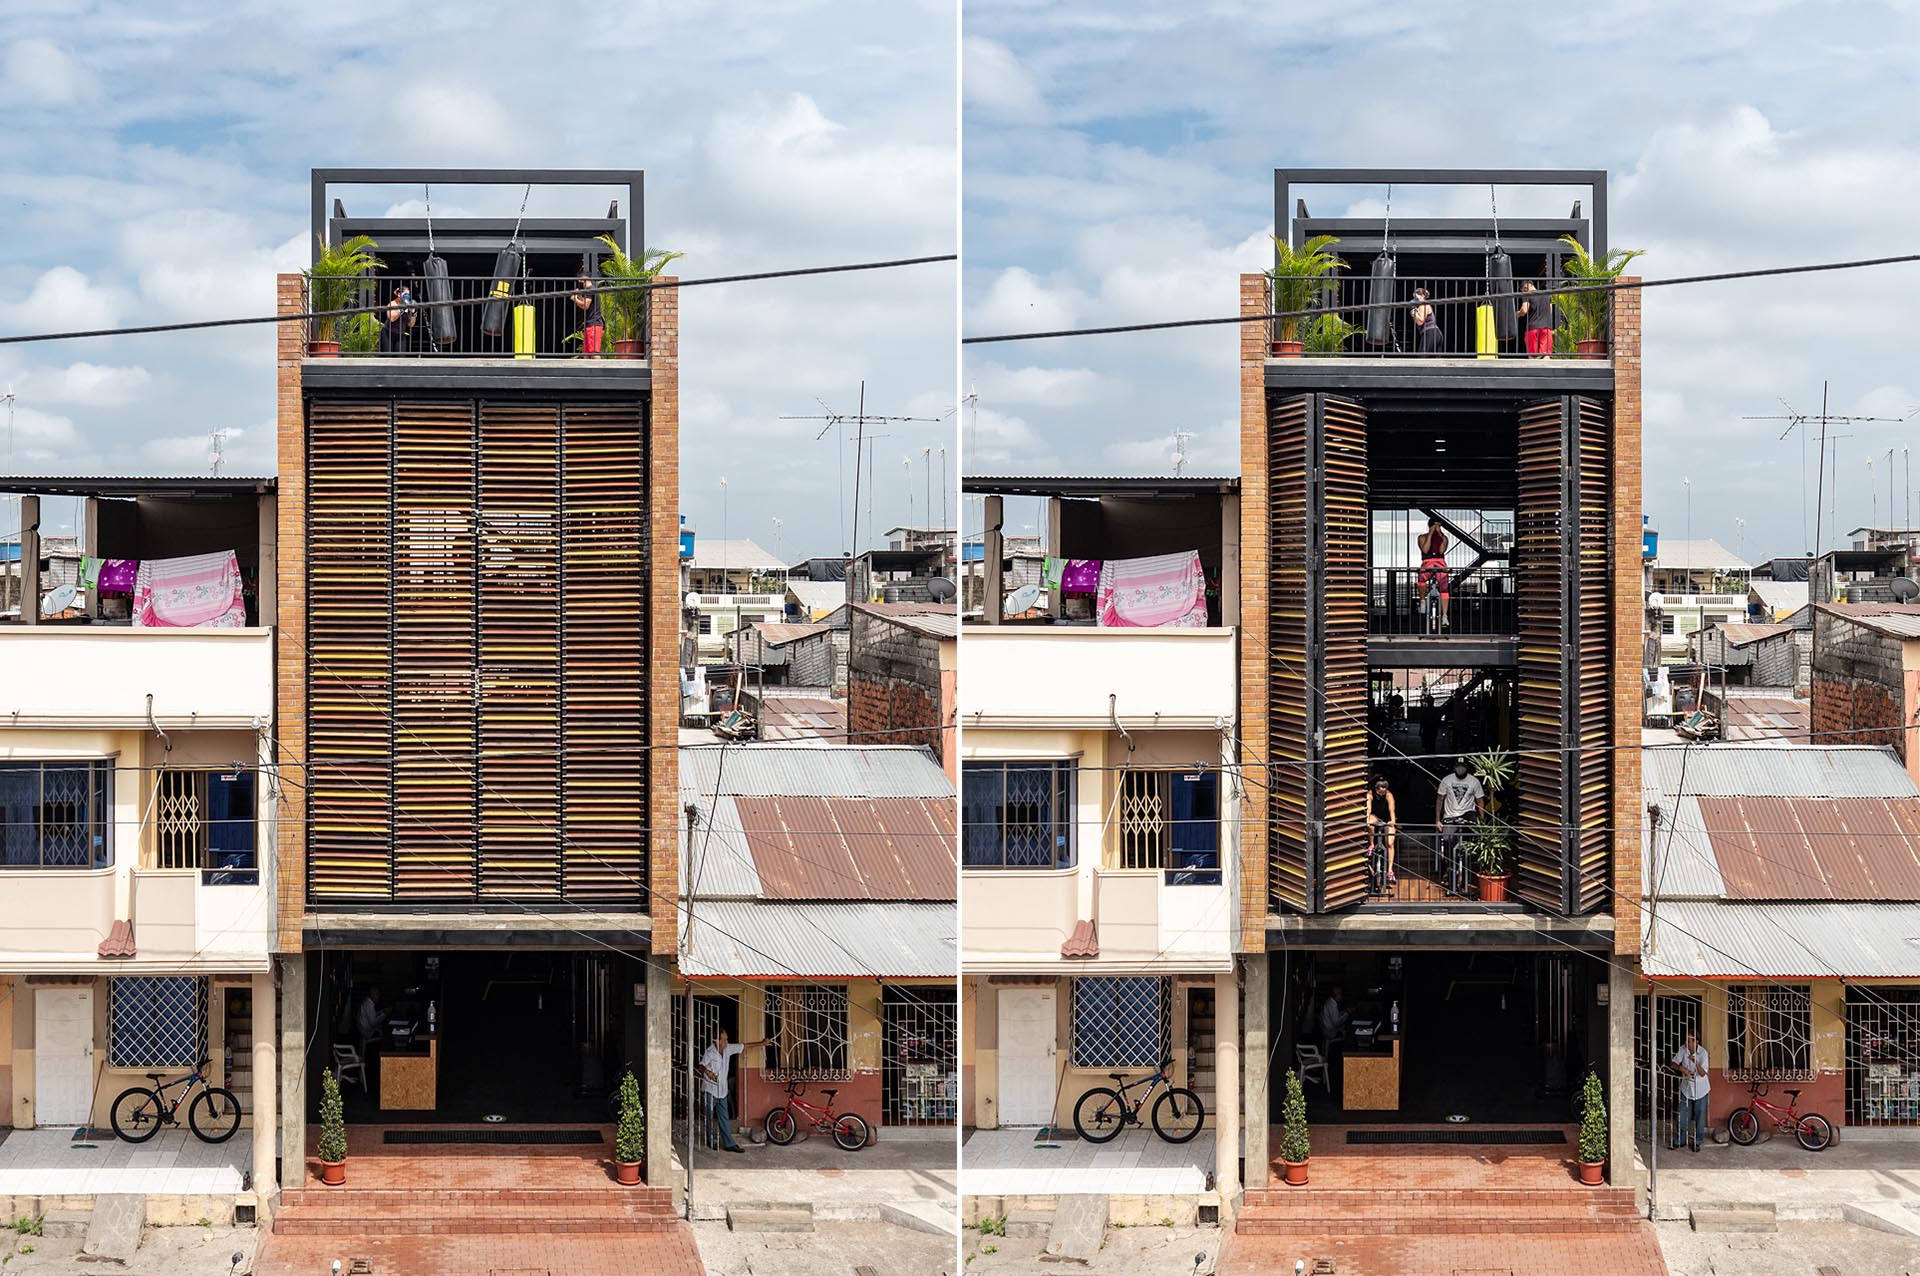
[
  {"x": 523, "y": 332},
  {"x": 1484, "y": 340}
]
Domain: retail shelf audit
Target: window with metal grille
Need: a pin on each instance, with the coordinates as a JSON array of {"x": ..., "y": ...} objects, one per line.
[
  {"x": 1769, "y": 1032},
  {"x": 1666, "y": 624},
  {"x": 1017, "y": 814},
  {"x": 205, "y": 820},
  {"x": 1121, "y": 1021},
  {"x": 56, "y": 814},
  {"x": 919, "y": 1036},
  {"x": 157, "y": 1021},
  {"x": 807, "y": 1032},
  {"x": 1170, "y": 820}
]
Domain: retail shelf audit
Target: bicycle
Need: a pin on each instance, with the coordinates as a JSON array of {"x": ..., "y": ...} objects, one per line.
[
  {"x": 1743, "y": 1124},
  {"x": 849, "y": 1131},
  {"x": 1377, "y": 871},
  {"x": 1102, "y": 1113},
  {"x": 1430, "y": 609},
  {"x": 140, "y": 1111}
]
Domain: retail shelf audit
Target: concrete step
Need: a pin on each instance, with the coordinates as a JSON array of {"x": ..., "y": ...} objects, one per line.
[
  {"x": 65, "y": 1224},
  {"x": 1435, "y": 1225},
  {"x": 1029, "y": 1224},
  {"x": 451, "y": 1199},
  {"x": 1392, "y": 1199},
  {"x": 770, "y": 1217},
  {"x": 1734, "y": 1218},
  {"x": 328, "y": 1224}
]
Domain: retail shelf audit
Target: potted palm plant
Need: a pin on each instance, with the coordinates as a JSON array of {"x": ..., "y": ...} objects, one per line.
[
  {"x": 1328, "y": 334},
  {"x": 333, "y": 282},
  {"x": 1494, "y": 769},
  {"x": 332, "y": 1147},
  {"x": 360, "y": 336},
  {"x": 1297, "y": 276},
  {"x": 625, "y": 305},
  {"x": 630, "y": 1136},
  {"x": 1489, "y": 845},
  {"x": 1586, "y": 310},
  {"x": 1294, "y": 1145},
  {"x": 1593, "y": 1132}
]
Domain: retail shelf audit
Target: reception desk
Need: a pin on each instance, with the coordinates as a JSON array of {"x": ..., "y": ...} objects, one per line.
[
  {"x": 410, "y": 1075},
  {"x": 1370, "y": 1077}
]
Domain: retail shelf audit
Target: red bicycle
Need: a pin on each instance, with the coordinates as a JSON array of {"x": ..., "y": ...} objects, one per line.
[
  {"x": 1743, "y": 1125},
  {"x": 848, "y": 1130}
]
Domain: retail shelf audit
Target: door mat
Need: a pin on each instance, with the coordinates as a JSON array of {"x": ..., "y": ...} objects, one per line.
[
  {"x": 1510, "y": 1137},
  {"x": 493, "y": 1136}
]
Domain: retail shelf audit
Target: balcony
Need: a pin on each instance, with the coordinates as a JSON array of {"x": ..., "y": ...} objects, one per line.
[
  {"x": 56, "y": 919},
  {"x": 529, "y": 318},
  {"x": 114, "y": 676},
  {"x": 1019, "y": 918},
  {"x": 1407, "y": 626},
  {"x": 1077, "y": 676},
  {"x": 1349, "y": 326}
]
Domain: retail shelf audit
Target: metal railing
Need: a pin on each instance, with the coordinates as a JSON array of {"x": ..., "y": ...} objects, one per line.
[
  {"x": 533, "y": 317},
  {"x": 1458, "y": 328},
  {"x": 1479, "y": 601}
]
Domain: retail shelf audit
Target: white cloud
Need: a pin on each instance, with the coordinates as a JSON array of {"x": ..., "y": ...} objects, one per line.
[
  {"x": 40, "y": 73},
  {"x": 1035, "y": 386},
  {"x": 998, "y": 442},
  {"x": 61, "y": 300},
  {"x": 995, "y": 81},
  {"x": 88, "y": 384},
  {"x": 1212, "y": 450},
  {"x": 1017, "y": 301},
  {"x": 450, "y": 118},
  {"x": 243, "y": 451},
  {"x": 40, "y": 440}
]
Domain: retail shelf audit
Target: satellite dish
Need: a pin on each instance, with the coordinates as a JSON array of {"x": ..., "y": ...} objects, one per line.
[
  {"x": 1022, "y": 599},
  {"x": 1656, "y": 601},
  {"x": 1904, "y": 590},
  {"x": 693, "y": 601},
  {"x": 59, "y": 600},
  {"x": 941, "y": 589}
]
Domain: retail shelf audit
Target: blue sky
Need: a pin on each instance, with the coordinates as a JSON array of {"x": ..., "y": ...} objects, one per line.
[
  {"x": 1118, "y": 167},
  {"x": 154, "y": 167}
]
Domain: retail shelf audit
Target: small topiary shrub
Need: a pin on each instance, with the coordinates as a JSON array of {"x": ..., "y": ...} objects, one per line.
[
  {"x": 1593, "y": 1120},
  {"x": 630, "y": 1140},
  {"x": 1293, "y": 1121},
  {"x": 333, "y": 1120}
]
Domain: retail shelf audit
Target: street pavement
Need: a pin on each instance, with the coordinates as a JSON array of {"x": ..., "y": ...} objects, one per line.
[{"x": 831, "y": 1249}]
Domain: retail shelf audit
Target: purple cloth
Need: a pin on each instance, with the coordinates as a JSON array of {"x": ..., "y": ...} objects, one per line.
[
  {"x": 117, "y": 575},
  {"x": 1082, "y": 576}
]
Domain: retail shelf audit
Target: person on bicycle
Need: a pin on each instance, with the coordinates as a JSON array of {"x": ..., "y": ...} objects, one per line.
[
  {"x": 1460, "y": 801},
  {"x": 1695, "y": 1087},
  {"x": 713, "y": 1088},
  {"x": 1383, "y": 820},
  {"x": 1433, "y": 566}
]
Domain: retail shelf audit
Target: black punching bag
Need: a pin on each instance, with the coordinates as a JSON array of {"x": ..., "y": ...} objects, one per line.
[
  {"x": 506, "y": 271},
  {"x": 1380, "y": 300},
  {"x": 1499, "y": 280},
  {"x": 439, "y": 291}
]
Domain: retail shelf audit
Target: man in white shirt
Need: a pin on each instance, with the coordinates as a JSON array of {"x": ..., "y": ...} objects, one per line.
[
  {"x": 1460, "y": 801},
  {"x": 713, "y": 1087},
  {"x": 1695, "y": 1087}
]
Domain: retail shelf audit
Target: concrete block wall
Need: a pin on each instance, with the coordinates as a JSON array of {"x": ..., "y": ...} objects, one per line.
[{"x": 893, "y": 685}]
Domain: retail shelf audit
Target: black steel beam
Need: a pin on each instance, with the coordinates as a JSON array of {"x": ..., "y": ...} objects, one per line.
[
  {"x": 1503, "y": 378},
  {"x": 613, "y": 379},
  {"x": 1455, "y": 932},
  {"x": 1044, "y": 485},
  {"x": 400, "y": 935},
  {"x": 1442, "y": 651},
  {"x": 633, "y": 179},
  {"x": 1594, "y": 179}
]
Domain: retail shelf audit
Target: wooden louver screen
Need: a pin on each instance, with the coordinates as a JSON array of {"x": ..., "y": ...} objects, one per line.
[
  {"x": 349, "y": 649},
  {"x": 478, "y": 709},
  {"x": 1562, "y": 573},
  {"x": 1344, "y": 531},
  {"x": 1290, "y": 602}
]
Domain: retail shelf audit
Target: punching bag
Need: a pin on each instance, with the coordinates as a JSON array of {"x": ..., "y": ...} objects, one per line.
[
  {"x": 506, "y": 269},
  {"x": 1380, "y": 299},
  {"x": 439, "y": 290},
  {"x": 1500, "y": 279},
  {"x": 523, "y": 331}
]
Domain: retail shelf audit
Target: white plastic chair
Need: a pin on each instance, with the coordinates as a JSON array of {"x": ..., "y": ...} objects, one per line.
[
  {"x": 1312, "y": 1064},
  {"x": 347, "y": 1061}
]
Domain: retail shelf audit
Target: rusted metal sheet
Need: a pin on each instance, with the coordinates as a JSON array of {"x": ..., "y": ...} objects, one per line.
[
  {"x": 851, "y": 848},
  {"x": 1787, "y": 848}
]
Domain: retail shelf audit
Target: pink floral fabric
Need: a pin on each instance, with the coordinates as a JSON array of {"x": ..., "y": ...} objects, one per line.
[
  {"x": 1154, "y": 593},
  {"x": 204, "y": 591}
]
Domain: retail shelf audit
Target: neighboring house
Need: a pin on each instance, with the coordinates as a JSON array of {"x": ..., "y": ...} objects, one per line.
[
  {"x": 818, "y": 890},
  {"x": 1772, "y": 601},
  {"x": 1866, "y": 676},
  {"x": 812, "y": 600},
  {"x": 1785, "y": 658},
  {"x": 1343, "y": 461},
  {"x": 732, "y": 584},
  {"x": 1692, "y": 585},
  {"x": 1100, "y": 816},
  {"x": 478, "y": 642},
  {"x": 806, "y": 655},
  {"x": 902, "y": 669},
  {"x": 1783, "y": 894},
  {"x": 1858, "y": 575},
  {"x": 1729, "y": 650},
  {"x": 139, "y": 785}
]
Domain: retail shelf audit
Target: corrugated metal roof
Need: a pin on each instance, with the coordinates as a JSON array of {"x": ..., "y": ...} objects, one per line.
[
  {"x": 807, "y": 847},
  {"x": 1765, "y": 717},
  {"x": 822, "y": 770},
  {"x": 1739, "y": 635},
  {"x": 1759, "y": 769},
  {"x": 1698, "y": 556},
  {"x": 750, "y": 939},
  {"x": 943, "y": 624},
  {"x": 778, "y": 634},
  {"x": 1893, "y": 619},
  {"x": 1812, "y": 940},
  {"x": 1676, "y": 858},
  {"x": 1776, "y": 594},
  {"x": 730, "y": 555},
  {"x": 714, "y": 859},
  {"x": 819, "y": 595},
  {"x": 1787, "y": 848}
]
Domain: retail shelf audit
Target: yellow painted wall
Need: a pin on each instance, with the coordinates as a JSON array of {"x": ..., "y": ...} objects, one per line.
[{"x": 1829, "y": 1017}]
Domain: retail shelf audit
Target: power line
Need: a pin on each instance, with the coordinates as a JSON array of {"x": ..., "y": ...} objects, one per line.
[{"x": 1560, "y": 289}]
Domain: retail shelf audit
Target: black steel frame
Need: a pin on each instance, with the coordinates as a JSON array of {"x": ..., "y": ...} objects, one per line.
[
  {"x": 1594, "y": 179},
  {"x": 633, "y": 179}
]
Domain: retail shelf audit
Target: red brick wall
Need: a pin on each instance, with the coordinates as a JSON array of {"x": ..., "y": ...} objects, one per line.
[
  {"x": 882, "y": 711},
  {"x": 290, "y": 726},
  {"x": 1253, "y": 613},
  {"x": 1629, "y": 611},
  {"x": 1845, "y": 709},
  {"x": 663, "y": 771}
]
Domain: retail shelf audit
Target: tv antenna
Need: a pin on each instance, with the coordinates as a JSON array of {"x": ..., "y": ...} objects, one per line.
[
  {"x": 1798, "y": 420},
  {"x": 7, "y": 399},
  {"x": 836, "y": 421},
  {"x": 1180, "y": 438},
  {"x": 216, "y": 450}
]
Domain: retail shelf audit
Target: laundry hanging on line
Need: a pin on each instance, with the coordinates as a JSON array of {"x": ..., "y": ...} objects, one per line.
[
  {"x": 1165, "y": 591},
  {"x": 1081, "y": 576},
  {"x": 201, "y": 591},
  {"x": 109, "y": 575}
]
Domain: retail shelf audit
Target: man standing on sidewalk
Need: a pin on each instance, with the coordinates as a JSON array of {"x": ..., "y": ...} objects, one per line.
[
  {"x": 713, "y": 1087},
  {"x": 1695, "y": 1086}
]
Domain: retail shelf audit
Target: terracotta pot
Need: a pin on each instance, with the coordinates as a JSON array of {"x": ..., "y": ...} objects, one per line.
[
  {"x": 323, "y": 349},
  {"x": 626, "y": 1173},
  {"x": 1593, "y": 1173},
  {"x": 1294, "y": 1173},
  {"x": 333, "y": 1173},
  {"x": 1288, "y": 349},
  {"x": 1595, "y": 349},
  {"x": 1493, "y": 887},
  {"x": 629, "y": 349}
]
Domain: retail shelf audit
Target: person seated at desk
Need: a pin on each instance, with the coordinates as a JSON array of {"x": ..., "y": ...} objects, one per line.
[
  {"x": 369, "y": 1024},
  {"x": 1334, "y": 1019}
]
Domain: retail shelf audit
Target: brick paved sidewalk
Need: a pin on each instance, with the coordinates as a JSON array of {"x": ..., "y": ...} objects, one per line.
[
  {"x": 669, "y": 1253},
  {"x": 1626, "y": 1253}
]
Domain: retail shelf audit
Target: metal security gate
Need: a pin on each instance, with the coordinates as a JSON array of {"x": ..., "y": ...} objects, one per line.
[
  {"x": 1883, "y": 1056},
  {"x": 1654, "y": 1046},
  {"x": 918, "y": 1080},
  {"x": 706, "y": 1022}
]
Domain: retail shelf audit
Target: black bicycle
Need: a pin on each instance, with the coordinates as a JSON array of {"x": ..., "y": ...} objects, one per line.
[
  {"x": 213, "y": 1115},
  {"x": 1102, "y": 1113}
]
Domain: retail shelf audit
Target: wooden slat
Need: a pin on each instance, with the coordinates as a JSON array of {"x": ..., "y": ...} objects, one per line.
[
  {"x": 1344, "y": 531},
  {"x": 349, "y": 651},
  {"x": 1591, "y": 696},
  {"x": 604, "y": 548},
  {"x": 1540, "y": 583},
  {"x": 1289, "y": 724}
]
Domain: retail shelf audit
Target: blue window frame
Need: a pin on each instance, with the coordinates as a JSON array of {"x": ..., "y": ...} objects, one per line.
[
  {"x": 56, "y": 814},
  {"x": 1017, "y": 814},
  {"x": 1121, "y": 1021},
  {"x": 156, "y": 1021}
]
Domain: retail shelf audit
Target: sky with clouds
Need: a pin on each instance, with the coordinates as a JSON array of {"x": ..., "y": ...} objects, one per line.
[
  {"x": 154, "y": 165},
  {"x": 1118, "y": 168}
]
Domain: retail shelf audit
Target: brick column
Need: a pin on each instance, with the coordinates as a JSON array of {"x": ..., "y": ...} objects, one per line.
[
  {"x": 1629, "y": 611},
  {"x": 663, "y": 663},
  {"x": 1254, "y": 300},
  {"x": 290, "y": 638}
]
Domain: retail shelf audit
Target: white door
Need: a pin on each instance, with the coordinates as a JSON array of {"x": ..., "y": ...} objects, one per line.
[
  {"x": 62, "y": 1055},
  {"x": 1027, "y": 1028}
]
